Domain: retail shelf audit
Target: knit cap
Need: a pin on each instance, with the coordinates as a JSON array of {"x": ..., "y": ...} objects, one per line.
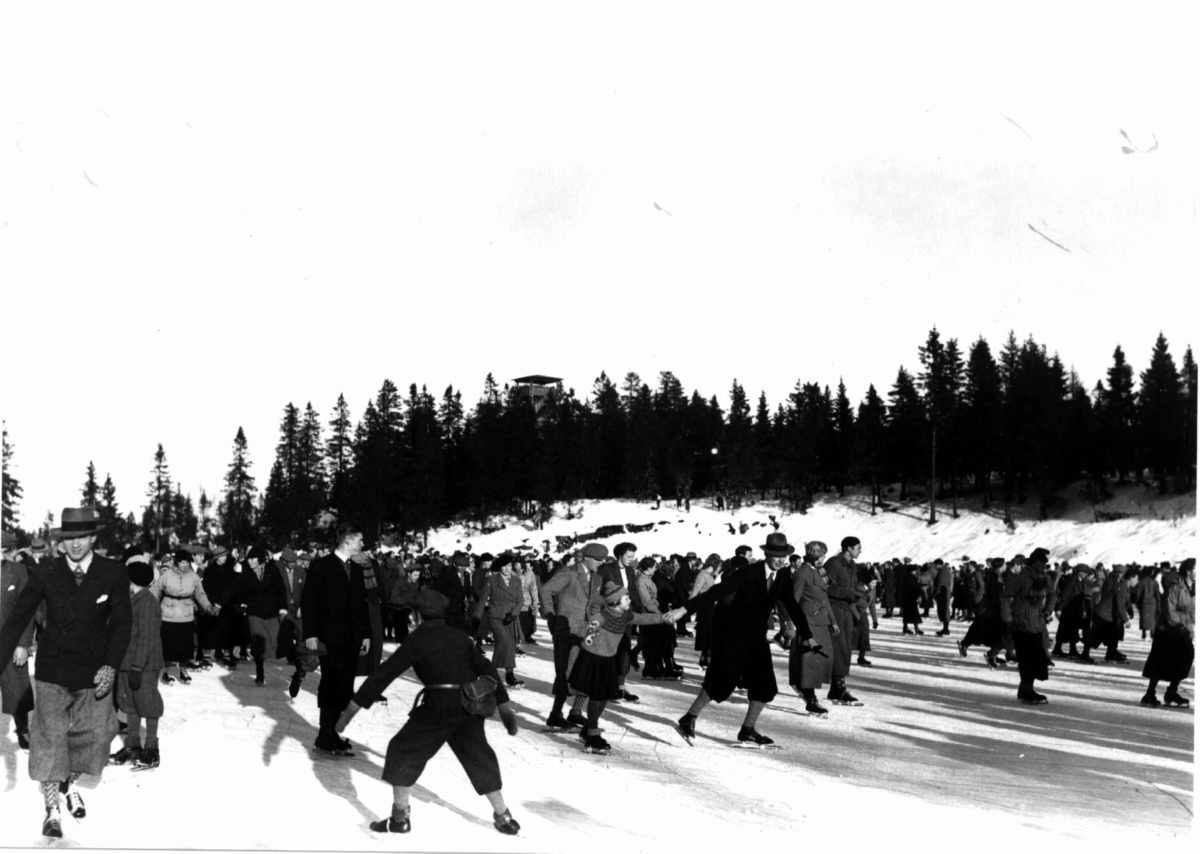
[{"x": 613, "y": 593}]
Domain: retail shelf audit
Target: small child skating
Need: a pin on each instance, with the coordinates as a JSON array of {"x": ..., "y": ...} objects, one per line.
[
  {"x": 595, "y": 672},
  {"x": 137, "y": 681}
]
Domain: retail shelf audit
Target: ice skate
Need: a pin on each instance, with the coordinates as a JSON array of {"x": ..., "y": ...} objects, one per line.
[
  {"x": 391, "y": 825},
  {"x": 557, "y": 723},
  {"x": 686, "y": 727},
  {"x": 815, "y": 709},
  {"x": 146, "y": 759},
  {"x": 752, "y": 738},
  {"x": 1174, "y": 698},
  {"x": 505, "y": 823},
  {"x": 52, "y": 825},
  {"x": 1150, "y": 699},
  {"x": 596, "y": 744},
  {"x": 124, "y": 756}
]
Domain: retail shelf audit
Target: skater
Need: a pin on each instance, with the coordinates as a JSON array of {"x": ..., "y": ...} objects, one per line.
[
  {"x": 88, "y": 623},
  {"x": 529, "y": 602},
  {"x": 293, "y": 575},
  {"x": 594, "y": 674},
  {"x": 500, "y": 599},
  {"x": 864, "y": 586},
  {"x": 260, "y": 596},
  {"x": 444, "y": 659},
  {"x": 943, "y": 588},
  {"x": 1146, "y": 597},
  {"x": 178, "y": 589},
  {"x": 1110, "y": 617},
  {"x": 334, "y": 610},
  {"x": 910, "y": 600},
  {"x": 809, "y": 666},
  {"x": 565, "y": 599},
  {"x": 1027, "y": 602},
  {"x": 137, "y": 681},
  {"x": 1072, "y": 611},
  {"x": 987, "y": 629},
  {"x": 655, "y": 640},
  {"x": 741, "y": 651},
  {"x": 705, "y": 578},
  {"x": 843, "y": 600},
  {"x": 16, "y": 691},
  {"x": 1172, "y": 649},
  {"x": 616, "y": 573}
]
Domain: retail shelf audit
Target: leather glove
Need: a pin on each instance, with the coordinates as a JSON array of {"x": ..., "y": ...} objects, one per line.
[
  {"x": 508, "y": 618},
  {"x": 135, "y": 680},
  {"x": 509, "y": 718},
  {"x": 105, "y": 677}
]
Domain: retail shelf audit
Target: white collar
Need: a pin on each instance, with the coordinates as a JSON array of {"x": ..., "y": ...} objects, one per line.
[{"x": 83, "y": 564}]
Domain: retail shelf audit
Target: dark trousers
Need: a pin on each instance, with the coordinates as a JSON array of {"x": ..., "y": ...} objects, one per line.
[
  {"x": 528, "y": 625},
  {"x": 420, "y": 738},
  {"x": 562, "y": 656},
  {"x": 337, "y": 676}
]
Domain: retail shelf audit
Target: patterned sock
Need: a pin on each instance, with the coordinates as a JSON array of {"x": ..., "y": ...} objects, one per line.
[{"x": 50, "y": 796}]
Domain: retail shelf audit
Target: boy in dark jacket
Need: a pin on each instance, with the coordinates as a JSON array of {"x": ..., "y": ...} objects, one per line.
[{"x": 137, "y": 680}]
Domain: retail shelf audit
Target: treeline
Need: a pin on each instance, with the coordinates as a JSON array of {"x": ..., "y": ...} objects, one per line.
[{"x": 1007, "y": 428}]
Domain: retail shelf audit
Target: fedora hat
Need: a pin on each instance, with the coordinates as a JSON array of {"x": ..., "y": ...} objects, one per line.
[
  {"x": 777, "y": 546},
  {"x": 79, "y": 522}
]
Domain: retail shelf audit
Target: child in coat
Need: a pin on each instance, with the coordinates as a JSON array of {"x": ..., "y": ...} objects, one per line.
[
  {"x": 137, "y": 682},
  {"x": 595, "y": 671}
]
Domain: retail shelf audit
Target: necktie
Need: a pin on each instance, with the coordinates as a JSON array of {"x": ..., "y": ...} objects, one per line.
[{"x": 78, "y": 574}]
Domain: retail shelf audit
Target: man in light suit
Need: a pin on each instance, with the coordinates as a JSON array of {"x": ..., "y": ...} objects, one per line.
[
  {"x": 89, "y": 620},
  {"x": 565, "y": 599}
]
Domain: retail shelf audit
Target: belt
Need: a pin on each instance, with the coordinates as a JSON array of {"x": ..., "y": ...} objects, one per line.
[{"x": 457, "y": 686}]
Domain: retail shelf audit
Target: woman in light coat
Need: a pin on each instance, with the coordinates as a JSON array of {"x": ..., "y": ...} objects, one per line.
[{"x": 179, "y": 589}]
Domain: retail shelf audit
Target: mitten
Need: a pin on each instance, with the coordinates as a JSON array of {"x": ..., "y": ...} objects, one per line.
[
  {"x": 508, "y": 618},
  {"x": 508, "y": 718},
  {"x": 104, "y": 681},
  {"x": 135, "y": 680}
]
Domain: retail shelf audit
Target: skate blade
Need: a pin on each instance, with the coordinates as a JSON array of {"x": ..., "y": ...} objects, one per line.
[
  {"x": 597, "y": 752},
  {"x": 689, "y": 739},
  {"x": 749, "y": 745},
  {"x": 844, "y": 703}
]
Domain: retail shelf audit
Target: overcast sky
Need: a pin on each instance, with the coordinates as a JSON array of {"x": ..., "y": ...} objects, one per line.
[{"x": 209, "y": 213}]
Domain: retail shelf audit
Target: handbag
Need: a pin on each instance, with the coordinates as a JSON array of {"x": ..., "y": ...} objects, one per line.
[{"x": 478, "y": 696}]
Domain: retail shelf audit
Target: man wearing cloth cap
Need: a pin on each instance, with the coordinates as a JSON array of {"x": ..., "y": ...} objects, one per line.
[
  {"x": 1026, "y": 597},
  {"x": 88, "y": 623},
  {"x": 741, "y": 651},
  {"x": 565, "y": 601},
  {"x": 843, "y": 602},
  {"x": 443, "y": 658},
  {"x": 16, "y": 692}
]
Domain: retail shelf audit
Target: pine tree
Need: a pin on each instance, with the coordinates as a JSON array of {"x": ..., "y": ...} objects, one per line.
[
  {"x": 312, "y": 487},
  {"x": 187, "y": 525},
  {"x": 843, "y": 442},
  {"x": 205, "y": 506},
  {"x": 764, "y": 447},
  {"x": 90, "y": 492},
  {"x": 1160, "y": 415},
  {"x": 1119, "y": 411},
  {"x": 982, "y": 416},
  {"x": 870, "y": 440},
  {"x": 10, "y": 490},
  {"x": 906, "y": 430},
  {"x": 423, "y": 484},
  {"x": 157, "y": 518},
  {"x": 281, "y": 499},
  {"x": 339, "y": 456},
  {"x": 113, "y": 533},
  {"x": 610, "y": 423},
  {"x": 740, "y": 460},
  {"x": 640, "y": 448},
  {"x": 236, "y": 510},
  {"x": 940, "y": 383}
]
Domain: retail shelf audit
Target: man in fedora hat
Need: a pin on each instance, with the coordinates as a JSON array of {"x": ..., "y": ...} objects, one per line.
[
  {"x": 740, "y": 649},
  {"x": 89, "y": 620}
]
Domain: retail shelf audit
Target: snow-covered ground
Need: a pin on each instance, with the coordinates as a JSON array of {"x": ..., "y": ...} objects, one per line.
[
  {"x": 941, "y": 756},
  {"x": 1157, "y": 529}
]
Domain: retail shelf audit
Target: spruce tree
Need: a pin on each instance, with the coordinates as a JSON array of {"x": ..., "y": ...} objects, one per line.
[
  {"x": 906, "y": 429},
  {"x": 339, "y": 456},
  {"x": 610, "y": 422},
  {"x": 1119, "y": 414},
  {"x": 90, "y": 492},
  {"x": 764, "y": 447},
  {"x": 10, "y": 486},
  {"x": 870, "y": 441},
  {"x": 739, "y": 462},
  {"x": 1160, "y": 416},
  {"x": 1189, "y": 405},
  {"x": 236, "y": 509},
  {"x": 843, "y": 443},
  {"x": 157, "y": 518},
  {"x": 982, "y": 417}
]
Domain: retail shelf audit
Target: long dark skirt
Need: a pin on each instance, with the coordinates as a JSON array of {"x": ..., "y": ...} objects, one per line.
[
  {"x": 177, "y": 641},
  {"x": 595, "y": 676},
  {"x": 861, "y": 638},
  {"x": 807, "y": 669},
  {"x": 1031, "y": 656},
  {"x": 704, "y": 630},
  {"x": 985, "y": 631},
  {"x": 1170, "y": 658}
]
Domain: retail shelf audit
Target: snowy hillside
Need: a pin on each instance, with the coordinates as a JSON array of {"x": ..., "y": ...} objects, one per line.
[{"x": 1156, "y": 529}]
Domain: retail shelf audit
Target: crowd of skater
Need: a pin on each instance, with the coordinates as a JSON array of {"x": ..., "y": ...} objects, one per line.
[{"x": 112, "y": 632}]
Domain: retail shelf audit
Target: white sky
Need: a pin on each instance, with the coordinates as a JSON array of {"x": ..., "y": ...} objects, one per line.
[{"x": 208, "y": 213}]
